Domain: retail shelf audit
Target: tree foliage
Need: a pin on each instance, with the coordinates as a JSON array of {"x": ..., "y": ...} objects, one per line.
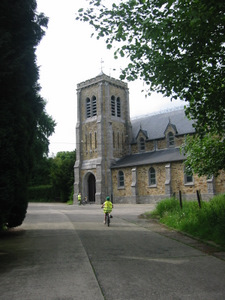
[
  {"x": 62, "y": 174},
  {"x": 55, "y": 175},
  {"x": 176, "y": 47},
  {"x": 206, "y": 155},
  {"x": 40, "y": 174},
  {"x": 24, "y": 123}
]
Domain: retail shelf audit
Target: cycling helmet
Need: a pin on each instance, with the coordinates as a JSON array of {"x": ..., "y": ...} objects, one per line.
[{"x": 107, "y": 198}]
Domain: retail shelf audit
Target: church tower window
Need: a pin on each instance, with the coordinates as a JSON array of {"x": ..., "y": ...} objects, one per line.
[
  {"x": 118, "y": 107},
  {"x": 91, "y": 107},
  {"x": 94, "y": 107},
  {"x": 113, "y": 107},
  {"x": 88, "y": 108}
]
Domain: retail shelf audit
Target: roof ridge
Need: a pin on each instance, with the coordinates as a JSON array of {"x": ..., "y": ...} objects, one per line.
[{"x": 160, "y": 112}]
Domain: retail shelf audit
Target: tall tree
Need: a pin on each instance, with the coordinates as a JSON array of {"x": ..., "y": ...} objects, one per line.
[
  {"x": 23, "y": 119},
  {"x": 62, "y": 174},
  {"x": 176, "y": 47}
]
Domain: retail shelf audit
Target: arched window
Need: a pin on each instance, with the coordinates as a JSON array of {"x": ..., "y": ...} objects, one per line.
[
  {"x": 170, "y": 139},
  {"x": 120, "y": 179},
  {"x": 118, "y": 109},
  {"x": 88, "y": 108},
  {"x": 152, "y": 176},
  {"x": 142, "y": 144},
  {"x": 91, "y": 107},
  {"x": 113, "y": 108},
  {"x": 94, "y": 107}
]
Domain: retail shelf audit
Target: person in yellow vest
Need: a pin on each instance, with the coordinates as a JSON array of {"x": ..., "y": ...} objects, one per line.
[
  {"x": 79, "y": 198},
  {"x": 107, "y": 207}
]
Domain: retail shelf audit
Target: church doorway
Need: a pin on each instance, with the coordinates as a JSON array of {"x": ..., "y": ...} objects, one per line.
[{"x": 91, "y": 188}]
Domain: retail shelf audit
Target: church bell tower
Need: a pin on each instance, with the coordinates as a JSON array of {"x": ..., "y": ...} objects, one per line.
[{"x": 103, "y": 135}]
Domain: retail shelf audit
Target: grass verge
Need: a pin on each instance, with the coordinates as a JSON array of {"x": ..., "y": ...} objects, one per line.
[{"x": 207, "y": 222}]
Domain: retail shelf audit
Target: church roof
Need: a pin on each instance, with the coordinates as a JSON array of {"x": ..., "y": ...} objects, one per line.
[
  {"x": 155, "y": 125},
  {"x": 159, "y": 156}
]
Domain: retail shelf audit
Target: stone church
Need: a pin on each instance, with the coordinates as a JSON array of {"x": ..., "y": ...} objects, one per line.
[{"x": 133, "y": 161}]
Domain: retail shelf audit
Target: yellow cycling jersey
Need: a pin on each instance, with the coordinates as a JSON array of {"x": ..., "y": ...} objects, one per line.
[{"x": 107, "y": 206}]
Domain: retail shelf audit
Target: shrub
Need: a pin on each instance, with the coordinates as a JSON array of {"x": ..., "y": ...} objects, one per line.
[
  {"x": 166, "y": 206},
  {"x": 207, "y": 223},
  {"x": 41, "y": 193}
]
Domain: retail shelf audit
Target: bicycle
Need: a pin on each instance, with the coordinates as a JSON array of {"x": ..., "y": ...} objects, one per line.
[
  {"x": 107, "y": 218},
  {"x": 84, "y": 201}
]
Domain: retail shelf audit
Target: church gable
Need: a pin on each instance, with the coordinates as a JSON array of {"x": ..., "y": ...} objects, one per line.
[
  {"x": 170, "y": 133},
  {"x": 170, "y": 128},
  {"x": 142, "y": 134},
  {"x": 141, "y": 139}
]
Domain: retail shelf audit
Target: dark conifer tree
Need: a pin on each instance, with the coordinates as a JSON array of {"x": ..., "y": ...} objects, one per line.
[{"x": 22, "y": 110}]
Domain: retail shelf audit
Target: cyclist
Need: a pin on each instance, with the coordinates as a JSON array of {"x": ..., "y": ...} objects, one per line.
[{"x": 107, "y": 206}]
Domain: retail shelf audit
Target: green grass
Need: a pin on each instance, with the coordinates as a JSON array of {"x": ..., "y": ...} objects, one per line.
[
  {"x": 69, "y": 202},
  {"x": 207, "y": 223}
]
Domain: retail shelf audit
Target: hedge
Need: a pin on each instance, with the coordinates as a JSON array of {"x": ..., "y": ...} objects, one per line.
[{"x": 41, "y": 193}]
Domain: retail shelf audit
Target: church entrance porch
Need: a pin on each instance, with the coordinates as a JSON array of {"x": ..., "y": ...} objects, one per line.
[{"x": 90, "y": 187}]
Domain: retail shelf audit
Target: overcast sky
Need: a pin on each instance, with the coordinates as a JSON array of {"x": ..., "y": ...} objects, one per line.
[{"x": 67, "y": 55}]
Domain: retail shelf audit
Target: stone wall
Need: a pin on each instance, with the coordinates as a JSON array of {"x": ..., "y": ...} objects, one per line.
[
  {"x": 220, "y": 183},
  {"x": 145, "y": 193},
  {"x": 188, "y": 190},
  {"x": 89, "y": 144},
  {"x": 125, "y": 191},
  {"x": 144, "y": 189},
  {"x": 119, "y": 133}
]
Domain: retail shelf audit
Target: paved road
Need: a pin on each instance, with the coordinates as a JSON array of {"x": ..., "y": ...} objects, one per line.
[{"x": 66, "y": 252}]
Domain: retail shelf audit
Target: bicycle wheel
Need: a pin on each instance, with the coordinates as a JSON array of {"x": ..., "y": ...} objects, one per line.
[{"x": 108, "y": 219}]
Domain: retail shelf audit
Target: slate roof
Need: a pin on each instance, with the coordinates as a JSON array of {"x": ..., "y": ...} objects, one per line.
[
  {"x": 159, "y": 156},
  {"x": 155, "y": 125}
]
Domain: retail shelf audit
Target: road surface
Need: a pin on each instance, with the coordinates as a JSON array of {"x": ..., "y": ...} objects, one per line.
[{"x": 65, "y": 252}]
